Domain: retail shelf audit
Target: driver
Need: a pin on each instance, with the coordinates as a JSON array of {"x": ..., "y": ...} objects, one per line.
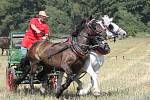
[{"x": 38, "y": 30}]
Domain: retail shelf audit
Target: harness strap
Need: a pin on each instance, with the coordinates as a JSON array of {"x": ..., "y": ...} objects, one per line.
[
  {"x": 76, "y": 48},
  {"x": 61, "y": 50},
  {"x": 77, "y": 52}
]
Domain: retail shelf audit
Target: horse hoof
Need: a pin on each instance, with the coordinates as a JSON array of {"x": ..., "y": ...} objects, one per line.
[
  {"x": 58, "y": 94},
  {"x": 42, "y": 91},
  {"x": 81, "y": 93},
  {"x": 78, "y": 94},
  {"x": 96, "y": 93},
  {"x": 32, "y": 92}
]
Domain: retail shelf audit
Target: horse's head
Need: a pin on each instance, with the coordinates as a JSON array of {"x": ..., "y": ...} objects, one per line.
[
  {"x": 97, "y": 35},
  {"x": 90, "y": 26},
  {"x": 94, "y": 28},
  {"x": 99, "y": 44},
  {"x": 85, "y": 30}
]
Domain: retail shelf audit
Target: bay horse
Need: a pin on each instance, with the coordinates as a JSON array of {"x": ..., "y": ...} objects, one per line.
[
  {"x": 4, "y": 44},
  {"x": 91, "y": 65},
  {"x": 61, "y": 55}
]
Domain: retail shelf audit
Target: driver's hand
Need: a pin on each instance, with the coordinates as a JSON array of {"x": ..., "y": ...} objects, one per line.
[
  {"x": 38, "y": 31},
  {"x": 44, "y": 37}
]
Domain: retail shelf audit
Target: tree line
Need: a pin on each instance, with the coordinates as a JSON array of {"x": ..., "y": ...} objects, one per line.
[{"x": 132, "y": 15}]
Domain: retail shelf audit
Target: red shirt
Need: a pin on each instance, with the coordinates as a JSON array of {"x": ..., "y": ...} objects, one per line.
[{"x": 31, "y": 36}]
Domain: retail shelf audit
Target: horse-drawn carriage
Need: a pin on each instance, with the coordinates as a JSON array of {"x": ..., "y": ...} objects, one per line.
[
  {"x": 68, "y": 57},
  {"x": 15, "y": 72}
]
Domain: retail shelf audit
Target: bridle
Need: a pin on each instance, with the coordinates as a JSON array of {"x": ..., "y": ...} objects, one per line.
[
  {"x": 97, "y": 30},
  {"x": 77, "y": 47},
  {"x": 90, "y": 27}
]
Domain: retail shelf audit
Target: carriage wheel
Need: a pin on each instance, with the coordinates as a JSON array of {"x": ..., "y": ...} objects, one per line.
[
  {"x": 10, "y": 76},
  {"x": 53, "y": 81}
]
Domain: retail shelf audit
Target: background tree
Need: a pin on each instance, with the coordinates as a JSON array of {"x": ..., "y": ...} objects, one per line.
[{"x": 132, "y": 15}]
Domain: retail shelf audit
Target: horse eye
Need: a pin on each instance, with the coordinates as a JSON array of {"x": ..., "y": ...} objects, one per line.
[
  {"x": 110, "y": 26},
  {"x": 94, "y": 25}
]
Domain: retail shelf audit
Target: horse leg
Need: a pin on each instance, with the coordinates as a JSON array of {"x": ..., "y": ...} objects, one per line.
[
  {"x": 59, "y": 81},
  {"x": 92, "y": 64},
  {"x": 70, "y": 78},
  {"x": 32, "y": 74},
  {"x": 43, "y": 78},
  {"x": 80, "y": 85},
  {"x": 87, "y": 66},
  {"x": 6, "y": 51},
  {"x": 45, "y": 85},
  {"x": 94, "y": 81},
  {"x": 2, "y": 51},
  {"x": 93, "y": 71},
  {"x": 84, "y": 91},
  {"x": 81, "y": 90},
  {"x": 65, "y": 85}
]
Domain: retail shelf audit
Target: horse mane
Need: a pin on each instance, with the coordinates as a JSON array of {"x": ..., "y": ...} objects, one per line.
[{"x": 79, "y": 27}]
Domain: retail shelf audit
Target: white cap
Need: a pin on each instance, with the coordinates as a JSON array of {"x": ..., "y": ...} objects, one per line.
[{"x": 43, "y": 13}]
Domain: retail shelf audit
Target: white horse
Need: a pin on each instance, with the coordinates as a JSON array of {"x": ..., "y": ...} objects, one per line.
[
  {"x": 91, "y": 66},
  {"x": 117, "y": 30},
  {"x": 112, "y": 28}
]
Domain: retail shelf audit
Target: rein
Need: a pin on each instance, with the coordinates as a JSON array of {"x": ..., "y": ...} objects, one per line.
[
  {"x": 75, "y": 46},
  {"x": 63, "y": 49},
  {"x": 83, "y": 74},
  {"x": 57, "y": 37},
  {"x": 90, "y": 26}
]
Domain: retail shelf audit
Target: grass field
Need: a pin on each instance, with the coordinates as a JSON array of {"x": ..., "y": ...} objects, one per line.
[{"x": 125, "y": 75}]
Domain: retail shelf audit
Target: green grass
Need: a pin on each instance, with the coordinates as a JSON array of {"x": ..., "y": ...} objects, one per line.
[{"x": 124, "y": 78}]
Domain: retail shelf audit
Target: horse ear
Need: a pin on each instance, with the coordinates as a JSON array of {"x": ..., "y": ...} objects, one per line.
[
  {"x": 83, "y": 21},
  {"x": 90, "y": 18},
  {"x": 79, "y": 27}
]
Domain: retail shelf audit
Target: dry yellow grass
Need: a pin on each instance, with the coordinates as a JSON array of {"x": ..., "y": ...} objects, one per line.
[{"x": 125, "y": 74}]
